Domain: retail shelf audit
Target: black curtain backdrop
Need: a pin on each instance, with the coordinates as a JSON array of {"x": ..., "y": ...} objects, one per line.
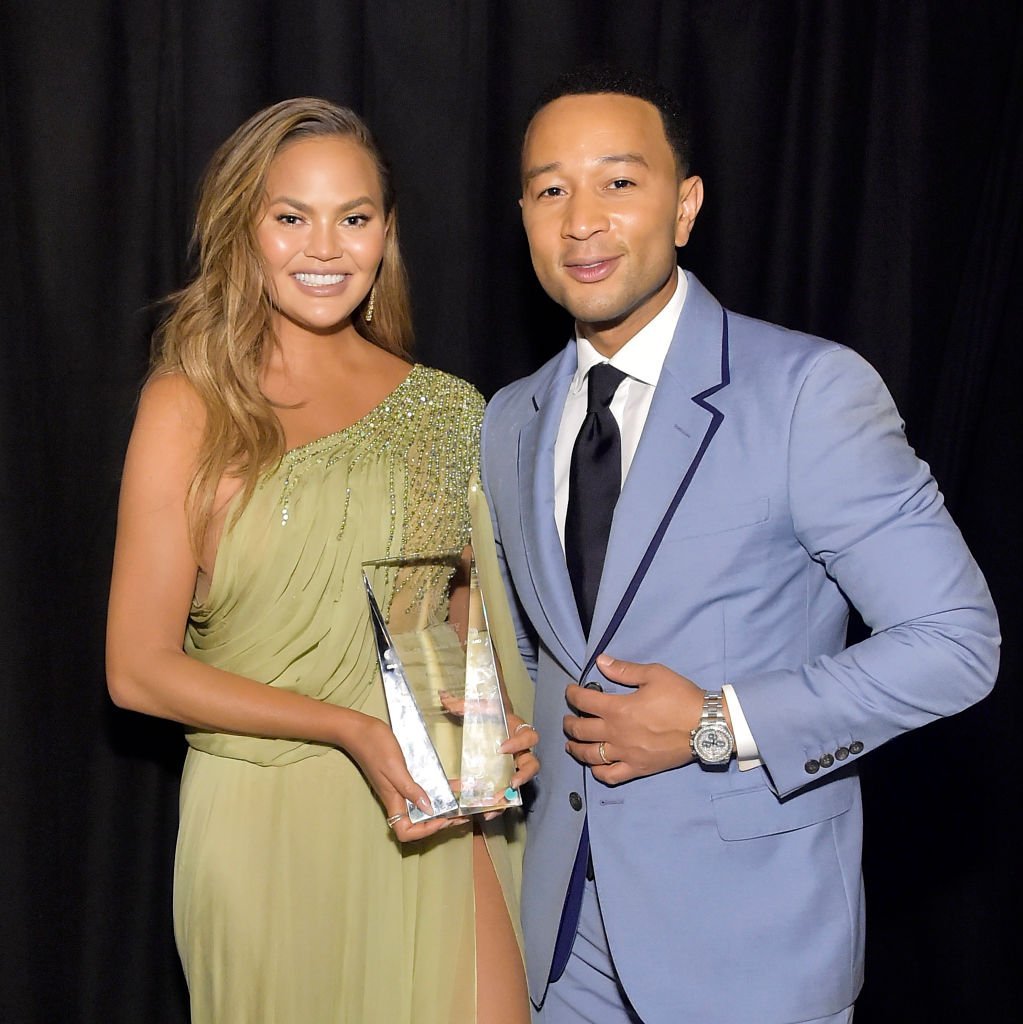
[{"x": 862, "y": 163}]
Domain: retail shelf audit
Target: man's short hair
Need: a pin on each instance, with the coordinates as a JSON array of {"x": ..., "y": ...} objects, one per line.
[{"x": 593, "y": 79}]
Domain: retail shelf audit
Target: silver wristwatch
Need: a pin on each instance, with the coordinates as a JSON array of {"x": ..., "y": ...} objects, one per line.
[{"x": 712, "y": 740}]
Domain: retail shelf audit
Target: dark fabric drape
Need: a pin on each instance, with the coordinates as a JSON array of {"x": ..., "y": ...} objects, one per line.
[{"x": 862, "y": 162}]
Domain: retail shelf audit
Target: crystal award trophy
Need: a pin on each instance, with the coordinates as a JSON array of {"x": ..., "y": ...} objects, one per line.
[{"x": 441, "y": 683}]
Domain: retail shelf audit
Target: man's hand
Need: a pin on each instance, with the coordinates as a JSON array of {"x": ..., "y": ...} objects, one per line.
[{"x": 642, "y": 733}]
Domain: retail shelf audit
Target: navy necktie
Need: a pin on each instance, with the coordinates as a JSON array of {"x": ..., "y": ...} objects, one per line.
[{"x": 594, "y": 483}]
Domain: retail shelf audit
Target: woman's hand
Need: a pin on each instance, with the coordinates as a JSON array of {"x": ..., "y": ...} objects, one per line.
[
  {"x": 374, "y": 747},
  {"x": 522, "y": 739}
]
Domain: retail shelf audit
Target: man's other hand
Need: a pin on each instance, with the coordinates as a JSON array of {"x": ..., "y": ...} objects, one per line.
[{"x": 639, "y": 733}]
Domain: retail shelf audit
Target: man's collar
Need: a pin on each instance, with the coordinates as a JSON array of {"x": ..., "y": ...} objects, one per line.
[{"x": 643, "y": 355}]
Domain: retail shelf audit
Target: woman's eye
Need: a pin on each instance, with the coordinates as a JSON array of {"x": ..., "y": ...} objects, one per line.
[
  {"x": 289, "y": 218},
  {"x": 356, "y": 220}
]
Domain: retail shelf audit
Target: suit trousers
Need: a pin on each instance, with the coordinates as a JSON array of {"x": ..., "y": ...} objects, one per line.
[{"x": 589, "y": 992}]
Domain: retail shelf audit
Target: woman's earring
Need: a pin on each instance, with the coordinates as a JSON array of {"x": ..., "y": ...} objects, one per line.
[{"x": 368, "y": 315}]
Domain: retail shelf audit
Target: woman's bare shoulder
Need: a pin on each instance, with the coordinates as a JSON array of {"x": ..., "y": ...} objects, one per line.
[{"x": 170, "y": 406}]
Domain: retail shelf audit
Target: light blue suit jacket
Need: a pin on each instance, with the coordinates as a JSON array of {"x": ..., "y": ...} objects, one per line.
[{"x": 737, "y": 895}]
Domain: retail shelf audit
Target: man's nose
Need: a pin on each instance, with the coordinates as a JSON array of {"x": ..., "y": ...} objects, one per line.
[{"x": 585, "y": 216}]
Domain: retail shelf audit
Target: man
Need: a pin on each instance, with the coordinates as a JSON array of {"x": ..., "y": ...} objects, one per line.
[{"x": 764, "y": 478}]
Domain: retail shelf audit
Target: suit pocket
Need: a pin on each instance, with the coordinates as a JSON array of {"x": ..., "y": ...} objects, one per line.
[
  {"x": 749, "y": 813},
  {"x": 700, "y": 521}
]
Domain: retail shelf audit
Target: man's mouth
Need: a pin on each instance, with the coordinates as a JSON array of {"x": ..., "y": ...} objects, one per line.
[{"x": 589, "y": 271}]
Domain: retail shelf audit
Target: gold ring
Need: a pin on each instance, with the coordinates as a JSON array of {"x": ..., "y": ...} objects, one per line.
[
  {"x": 394, "y": 819},
  {"x": 603, "y": 756}
]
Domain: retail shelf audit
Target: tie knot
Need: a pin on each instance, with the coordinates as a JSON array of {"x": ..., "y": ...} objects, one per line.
[{"x": 602, "y": 384}]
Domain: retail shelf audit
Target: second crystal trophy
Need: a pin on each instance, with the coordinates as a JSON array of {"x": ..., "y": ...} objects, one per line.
[{"x": 441, "y": 681}]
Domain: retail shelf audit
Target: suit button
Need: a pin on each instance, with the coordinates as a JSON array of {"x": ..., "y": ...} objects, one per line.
[
  {"x": 827, "y": 761},
  {"x": 594, "y": 685},
  {"x": 812, "y": 767},
  {"x": 842, "y": 753},
  {"x": 856, "y": 747},
  {"x": 576, "y": 801}
]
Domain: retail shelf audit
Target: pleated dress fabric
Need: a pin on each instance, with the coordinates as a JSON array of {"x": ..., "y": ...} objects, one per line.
[{"x": 293, "y": 901}]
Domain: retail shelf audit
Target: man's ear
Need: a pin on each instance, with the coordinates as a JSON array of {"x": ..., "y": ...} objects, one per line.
[{"x": 690, "y": 199}]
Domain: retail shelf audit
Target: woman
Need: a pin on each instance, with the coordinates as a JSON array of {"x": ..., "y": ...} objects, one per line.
[{"x": 283, "y": 439}]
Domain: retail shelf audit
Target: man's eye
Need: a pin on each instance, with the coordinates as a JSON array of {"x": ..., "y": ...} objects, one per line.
[
  {"x": 551, "y": 190},
  {"x": 620, "y": 183}
]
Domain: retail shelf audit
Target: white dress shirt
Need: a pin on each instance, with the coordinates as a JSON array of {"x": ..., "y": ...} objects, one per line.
[{"x": 640, "y": 359}]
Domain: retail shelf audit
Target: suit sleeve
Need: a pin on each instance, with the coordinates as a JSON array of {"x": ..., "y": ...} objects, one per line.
[
  {"x": 866, "y": 508},
  {"x": 525, "y": 639}
]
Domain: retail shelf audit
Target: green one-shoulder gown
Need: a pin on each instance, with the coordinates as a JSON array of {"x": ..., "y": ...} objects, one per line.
[{"x": 293, "y": 901}]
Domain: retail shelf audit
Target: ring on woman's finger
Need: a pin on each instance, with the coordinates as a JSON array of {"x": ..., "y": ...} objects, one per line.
[
  {"x": 603, "y": 753},
  {"x": 521, "y": 726},
  {"x": 394, "y": 819}
]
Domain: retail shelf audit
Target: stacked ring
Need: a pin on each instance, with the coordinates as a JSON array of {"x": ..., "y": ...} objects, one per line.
[
  {"x": 394, "y": 819},
  {"x": 603, "y": 755}
]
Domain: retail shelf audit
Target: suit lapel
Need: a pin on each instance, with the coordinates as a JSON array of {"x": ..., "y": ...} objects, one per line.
[
  {"x": 544, "y": 555},
  {"x": 679, "y": 428}
]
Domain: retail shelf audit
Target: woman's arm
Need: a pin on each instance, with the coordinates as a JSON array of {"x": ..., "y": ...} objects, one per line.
[{"x": 151, "y": 591}]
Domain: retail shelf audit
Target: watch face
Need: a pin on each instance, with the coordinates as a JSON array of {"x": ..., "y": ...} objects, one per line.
[{"x": 712, "y": 744}]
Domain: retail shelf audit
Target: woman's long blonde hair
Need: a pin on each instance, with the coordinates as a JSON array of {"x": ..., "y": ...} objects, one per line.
[{"x": 219, "y": 331}]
